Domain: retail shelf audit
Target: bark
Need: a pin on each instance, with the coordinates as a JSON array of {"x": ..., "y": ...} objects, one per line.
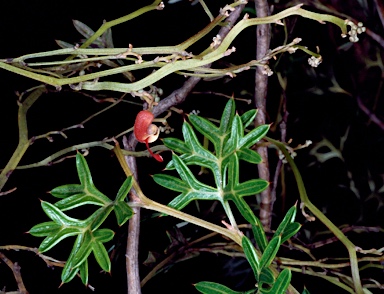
[{"x": 261, "y": 88}]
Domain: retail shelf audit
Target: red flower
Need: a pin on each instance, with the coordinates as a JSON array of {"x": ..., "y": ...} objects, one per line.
[{"x": 146, "y": 132}]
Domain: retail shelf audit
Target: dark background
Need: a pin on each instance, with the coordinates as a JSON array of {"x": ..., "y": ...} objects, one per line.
[{"x": 347, "y": 190}]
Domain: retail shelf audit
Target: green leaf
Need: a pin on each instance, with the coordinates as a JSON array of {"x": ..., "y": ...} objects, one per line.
[
  {"x": 124, "y": 189},
  {"x": 206, "y": 128},
  {"x": 123, "y": 212},
  {"x": 288, "y": 218},
  {"x": 84, "y": 250},
  {"x": 227, "y": 117},
  {"x": 69, "y": 271},
  {"x": 67, "y": 190},
  {"x": 171, "y": 183},
  {"x": 248, "y": 117},
  {"x": 103, "y": 235},
  {"x": 54, "y": 238},
  {"x": 270, "y": 252},
  {"x": 86, "y": 179},
  {"x": 249, "y": 155},
  {"x": 251, "y": 255},
  {"x": 250, "y": 187},
  {"x": 58, "y": 216},
  {"x": 290, "y": 230},
  {"x": 176, "y": 145},
  {"x": 101, "y": 256},
  {"x": 281, "y": 284},
  {"x": 305, "y": 291},
  {"x": 83, "y": 268},
  {"x": 254, "y": 136},
  {"x": 196, "y": 189},
  {"x": 78, "y": 200},
  {"x": 266, "y": 277},
  {"x": 259, "y": 234},
  {"x": 237, "y": 132},
  {"x": 244, "y": 209},
  {"x": 99, "y": 216},
  {"x": 214, "y": 288},
  {"x": 45, "y": 229}
]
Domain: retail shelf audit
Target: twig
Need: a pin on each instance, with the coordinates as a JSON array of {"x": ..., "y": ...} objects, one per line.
[
  {"x": 371, "y": 115},
  {"x": 261, "y": 88},
  {"x": 16, "y": 273},
  {"x": 132, "y": 250}
]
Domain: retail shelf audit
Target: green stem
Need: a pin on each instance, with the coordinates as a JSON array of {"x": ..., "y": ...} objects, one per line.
[
  {"x": 24, "y": 142},
  {"x": 208, "y": 57},
  {"x": 327, "y": 222}
]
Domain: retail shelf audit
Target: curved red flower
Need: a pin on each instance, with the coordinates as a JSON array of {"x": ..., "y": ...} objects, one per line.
[{"x": 146, "y": 132}]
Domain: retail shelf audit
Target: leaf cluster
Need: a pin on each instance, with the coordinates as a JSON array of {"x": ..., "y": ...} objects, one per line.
[
  {"x": 90, "y": 237},
  {"x": 230, "y": 145}
]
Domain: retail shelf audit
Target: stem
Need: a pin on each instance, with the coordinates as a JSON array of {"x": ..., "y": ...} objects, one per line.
[
  {"x": 327, "y": 222},
  {"x": 24, "y": 142},
  {"x": 132, "y": 251},
  {"x": 263, "y": 37}
]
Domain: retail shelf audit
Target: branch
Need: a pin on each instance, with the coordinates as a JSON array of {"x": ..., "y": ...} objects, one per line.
[
  {"x": 16, "y": 273},
  {"x": 263, "y": 37},
  {"x": 132, "y": 251}
]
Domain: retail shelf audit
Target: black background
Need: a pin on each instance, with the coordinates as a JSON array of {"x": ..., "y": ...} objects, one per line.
[{"x": 315, "y": 113}]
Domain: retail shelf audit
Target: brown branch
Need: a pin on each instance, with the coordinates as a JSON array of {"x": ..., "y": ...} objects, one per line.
[
  {"x": 132, "y": 250},
  {"x": 263, "y": 37},
  {"x": 16, "y": 273}
]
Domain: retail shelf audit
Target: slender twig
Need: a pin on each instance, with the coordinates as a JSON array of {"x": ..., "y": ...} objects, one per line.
[
  {"x": 132, "y": 250},
  {"x": 371, "y": 115},
  {"x": 263, "y": 37},
  {"x": 16, "y": 273}
]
